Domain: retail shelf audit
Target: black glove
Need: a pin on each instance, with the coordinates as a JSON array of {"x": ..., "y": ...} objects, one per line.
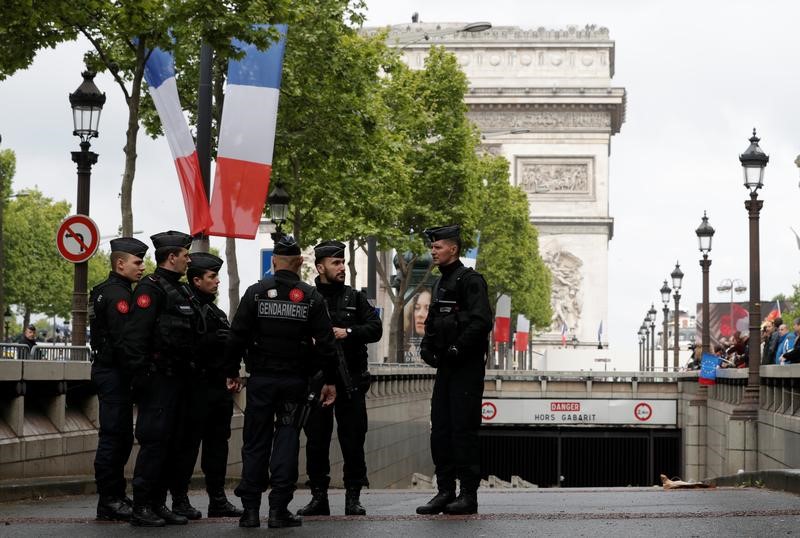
[{"x": 429, "y": 357}]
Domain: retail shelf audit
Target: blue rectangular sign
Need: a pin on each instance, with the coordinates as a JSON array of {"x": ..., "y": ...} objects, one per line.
[{"x": 266, "y": 262}]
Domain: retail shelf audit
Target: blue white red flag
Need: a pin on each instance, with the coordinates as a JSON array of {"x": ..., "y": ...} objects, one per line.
[
  {"x": 159, "y": 73},
  {"x": 563, "y": 334},
  {"x": 247, "y": 138},
  {"x": 600, "y": 332}
]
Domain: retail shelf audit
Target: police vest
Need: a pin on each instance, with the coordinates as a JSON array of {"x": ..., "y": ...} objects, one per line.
[
  {"x": 176, "y": 324},
  {"x": 283, "y": 310},
  {"x": 99, "y": 334},
  {"x": 345, "y": 314},
  {"x": 447, "y": 314}
]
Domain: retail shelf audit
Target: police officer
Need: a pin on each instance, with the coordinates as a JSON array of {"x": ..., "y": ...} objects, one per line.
[
  {"x": 210, "y": 403},
  {"x": 109, "y": 304},
  {"x": 455, "y": 342},
  {"x": 355, "y": 324},
  {"x": 159, "y": 343},
  {"x": 284, "y": 328}
]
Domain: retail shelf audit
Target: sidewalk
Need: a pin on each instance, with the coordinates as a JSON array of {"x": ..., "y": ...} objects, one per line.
[{"x": 544, "y": 512}]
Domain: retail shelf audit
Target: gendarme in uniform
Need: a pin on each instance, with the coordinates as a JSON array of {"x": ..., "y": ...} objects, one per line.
[{"x": 456, "y": 342}]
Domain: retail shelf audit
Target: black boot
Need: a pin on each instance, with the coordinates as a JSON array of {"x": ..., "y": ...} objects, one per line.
[
  {"x": 437, "y": 504},
  {"x": 281, "y": 517},
  {"x": 352, "y": 504},
  {"x": 170, "y": 517},
  {"x": 143, "y": 516},
  {"x": 467, "y": 503},
  {"x": 182, "y": 507},
  {"x": 113, "y": 509},
  {"x": 249, "y": 518},
  {"x": 219, "y": 506},
  {"x": 318, "y": 505}
]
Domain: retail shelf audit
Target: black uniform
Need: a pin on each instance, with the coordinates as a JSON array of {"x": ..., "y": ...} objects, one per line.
[
  {"x": 109, "y": 305},
  {"x": 349, "y": 309},
  {"x": 275, "y": 323},
  {"x": 159, "y": 344}
]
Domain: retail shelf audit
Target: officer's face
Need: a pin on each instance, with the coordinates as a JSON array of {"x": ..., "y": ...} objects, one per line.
[
  {"x": 443, "y": 252},
  {"x": 209, "y": 283},
  {"x": 181, "y": 261},
  {"x": 131, "y": 267},
  {"x": 332, "y": 270}
]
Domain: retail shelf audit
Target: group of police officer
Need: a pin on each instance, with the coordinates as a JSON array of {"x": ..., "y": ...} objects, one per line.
[{"x": 166, "y": 347}]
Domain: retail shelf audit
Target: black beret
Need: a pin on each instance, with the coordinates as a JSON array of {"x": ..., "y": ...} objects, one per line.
[
  {"x": 286, "y": 246},
  {"x": 129, "y": 245},
  {"x": 205, "y": 261},
  {"x": 329, "y": 249},
  {"x": 171, "y": 239},
  {"x": 443, "y": 232}
]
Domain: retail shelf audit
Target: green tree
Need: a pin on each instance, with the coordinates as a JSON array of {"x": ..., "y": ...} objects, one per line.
[{"x": 8, "y": 166}]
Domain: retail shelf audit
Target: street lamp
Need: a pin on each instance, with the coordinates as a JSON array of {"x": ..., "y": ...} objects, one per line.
[
  {"x": 472, "y": 27},
  {"x": 677, "y": 282},
  {"x": 278, "y": 202},
  {"x": 733, "y": 286},
  {"x": 705, "y": 233},
  {"x": 753, "y": 160},
  {"x": 642, "y": 347},
  {"x": 7, "y": 321},
  {"x": 87, "y": 103},
  {"x": 665, "y": 291},
  {"x": 651, "y": 316}
]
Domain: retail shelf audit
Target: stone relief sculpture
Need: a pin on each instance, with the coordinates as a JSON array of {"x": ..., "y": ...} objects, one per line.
[
  {"x": 554, "y": 178},
  {"x": 566, "y": 293},
  {"x": 558, "y": 120}
]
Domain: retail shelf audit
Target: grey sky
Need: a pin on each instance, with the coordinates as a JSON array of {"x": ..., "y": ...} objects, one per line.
[{"x": 699, "y": 75}]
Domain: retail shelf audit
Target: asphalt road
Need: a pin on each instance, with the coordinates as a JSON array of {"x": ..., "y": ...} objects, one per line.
[{"x": 547, "y": 512}]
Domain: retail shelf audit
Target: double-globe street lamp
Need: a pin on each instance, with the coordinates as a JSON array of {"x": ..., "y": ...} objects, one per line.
[
  {"x": 665, "y": 291},
  {"x": 651, "y": 317},
  {"x": 677, "y": 281},
  {"x": 87, "y": 103},
  {"x": 643, "y": 347},
  {"x": 705, "y": 233},
  {"x": 753, "y": 160}
]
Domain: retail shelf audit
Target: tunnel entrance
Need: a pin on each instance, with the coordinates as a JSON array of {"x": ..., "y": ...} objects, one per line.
[{"x": 584, "y": 457}]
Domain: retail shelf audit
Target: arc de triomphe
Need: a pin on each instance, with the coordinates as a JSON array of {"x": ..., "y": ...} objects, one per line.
[{"x": 544, "y": 100}]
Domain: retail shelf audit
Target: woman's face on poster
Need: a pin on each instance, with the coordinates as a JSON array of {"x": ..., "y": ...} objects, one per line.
[{"x": 421, "y": 306}]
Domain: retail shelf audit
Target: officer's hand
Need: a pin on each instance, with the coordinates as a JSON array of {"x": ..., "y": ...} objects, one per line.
[
  {"x": 234, "y": 384},
  {"x": 339, "y": 333},
  {"x": 452, "y": 352},
  {"x": 429, "y": 357},
  {"x": 328, "y": 395}
]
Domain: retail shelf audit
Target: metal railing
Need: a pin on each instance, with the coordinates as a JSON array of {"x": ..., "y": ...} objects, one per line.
[
  {"x": 57, "y": 352},
  {"x": 14, "y": 351}
]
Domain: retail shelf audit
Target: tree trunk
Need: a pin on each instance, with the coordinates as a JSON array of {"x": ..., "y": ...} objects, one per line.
[
  {"x": 26, "y": 318},
  {"x": 233, "y": 275},
  {"x": 352, "y": 265},
  {"x": 131, "y": 134}
]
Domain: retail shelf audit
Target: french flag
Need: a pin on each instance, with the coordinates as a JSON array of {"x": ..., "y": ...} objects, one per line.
[
  {"x": 247, "y": 139},
  {"x": 523, "y": 330},
  {"x": 502, "y": 320},
  {"x": 159, "y": 72},
  {"x": 563, "y": 334}
]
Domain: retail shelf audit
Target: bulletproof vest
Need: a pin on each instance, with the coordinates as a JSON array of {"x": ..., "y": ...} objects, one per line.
[
  {"x": 345, "y": 314},
  {"x": 176, "y": 324},
  {"x": 283, "y": 309},
  {"x": 99, "y": 330},
  {"x": 446, "y": 315}
]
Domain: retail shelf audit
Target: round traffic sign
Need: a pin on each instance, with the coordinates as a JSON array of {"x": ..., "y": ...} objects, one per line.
[
  {"x": 488, "y": 411},
  {"x": 77, "y": 238},
  {"x": 643, "y": 411}
]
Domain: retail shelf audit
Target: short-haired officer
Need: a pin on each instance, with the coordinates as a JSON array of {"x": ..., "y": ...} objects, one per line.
[
  {"x": 109, "y": 304},
  {"x": 159, "y": 344},
  {"x": 210, "y": 404},
  {"x": 355, "y": 324},
  {"x": 455, "y": 342},
  {"x": 283, "y": 326}
]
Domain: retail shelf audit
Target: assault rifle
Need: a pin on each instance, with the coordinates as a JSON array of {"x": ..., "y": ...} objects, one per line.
[{"x": 349, "y": 387}]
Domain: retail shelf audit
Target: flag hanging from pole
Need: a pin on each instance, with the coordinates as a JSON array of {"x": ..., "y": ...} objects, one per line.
[
  {"x": 523, "y": 330},
  {"x": 502, "y": 320},
  {"x": 159, "y": 72},
  {"x": 600, "y": 332},
  {"x": 247, "y": 139},
  {"x": 563, "y": 334}
]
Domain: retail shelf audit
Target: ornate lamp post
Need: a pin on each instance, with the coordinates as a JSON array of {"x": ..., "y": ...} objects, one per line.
[
  {"x": 643, "y": 334},
  {"x": 677, "y": 281},
  {"x": 87, "y": 103},
  {"x": 651, "y": 317},
  {"x": 705, "y": 233},
  {"x": 278, "y": 202},
  {"x": 665, "y": 291},
  {"x": 753, "y": 160}
]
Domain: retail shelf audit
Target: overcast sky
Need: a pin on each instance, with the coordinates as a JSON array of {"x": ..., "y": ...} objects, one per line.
[{"x": 699, "y": 76}]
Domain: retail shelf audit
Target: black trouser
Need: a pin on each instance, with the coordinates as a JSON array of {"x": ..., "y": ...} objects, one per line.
[
  {"x": 160, "y": 403},
  {"x": 115, "y": 439},
  {"x": 351, "y": 427},
  {"x": 208, "y": 420},
  {"x": 270, "y": 445},
  {"x": 455, "y": 420}
]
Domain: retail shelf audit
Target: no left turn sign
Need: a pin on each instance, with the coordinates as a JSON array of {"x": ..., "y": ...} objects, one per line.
[{"x": 77, "y": 238}]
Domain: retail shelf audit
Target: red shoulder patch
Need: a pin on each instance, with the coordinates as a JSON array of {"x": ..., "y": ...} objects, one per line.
[
  {"x": 122, "y": 306},
  {"x": 143, "y": 301},
  {"x": 296, "y": 295}
]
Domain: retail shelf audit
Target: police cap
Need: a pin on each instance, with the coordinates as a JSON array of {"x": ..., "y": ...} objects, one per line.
[
  {"x": 128, "y": 245},
  {"x": 286, "y": 246},
  {"x": 205, "y": 261},
  {"x": 171, "y": 239},
  {"x": 329, "y": 249},
  {"x": 443, "y": 232}
]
